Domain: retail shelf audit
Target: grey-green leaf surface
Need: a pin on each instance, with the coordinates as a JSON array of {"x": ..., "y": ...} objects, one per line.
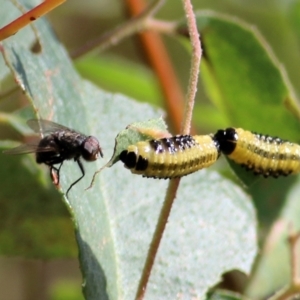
[
  {"x": 212, "y": 227},
  {"x": 203, "y": 228}
]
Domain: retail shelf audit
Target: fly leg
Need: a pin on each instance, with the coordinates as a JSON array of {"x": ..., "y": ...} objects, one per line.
[
  {"x": 54, "y": 174},
  {"x": 82, "y": 172}
]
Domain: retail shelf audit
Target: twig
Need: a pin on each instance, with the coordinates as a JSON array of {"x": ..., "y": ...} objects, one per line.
[
  {"x": 195, "y": 66},
  {"x": 114, "y": 36},
  {"x": 33, "y": 27},
  {"x": 159, "y": 230},
  {"x": 173, "y": 185},
  {"x": 38, "y": 11},
  {"x": 161, "y": 26}
]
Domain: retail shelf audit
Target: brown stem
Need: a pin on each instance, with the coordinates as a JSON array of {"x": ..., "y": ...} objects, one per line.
[
  {"x": 38, "y": 11},
  {"x": 159, "y": 59},
  {"x": 157, "y": 236},
  {"x": 173, "y": 185}
]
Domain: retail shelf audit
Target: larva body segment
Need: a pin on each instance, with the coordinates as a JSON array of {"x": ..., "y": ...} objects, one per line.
[
  {"x": 171, "y": 157},
  {"x": 262, "y": 154}
]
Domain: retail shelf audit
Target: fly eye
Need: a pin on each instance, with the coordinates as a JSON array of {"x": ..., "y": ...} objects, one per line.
[{"x": 91, "y": 149}]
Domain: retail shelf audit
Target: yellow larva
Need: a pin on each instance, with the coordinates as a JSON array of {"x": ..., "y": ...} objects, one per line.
[
  {"x": 171, "y": 157},
  {"x": 262, "y": 154}
]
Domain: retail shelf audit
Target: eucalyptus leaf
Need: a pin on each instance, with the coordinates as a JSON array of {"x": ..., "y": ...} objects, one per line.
[
  {"x": 225, "y": 295},
  {"x": 111, "y": 73},
  {"x": 273, "y": 268},
  {"x": 28, "y": 204}
]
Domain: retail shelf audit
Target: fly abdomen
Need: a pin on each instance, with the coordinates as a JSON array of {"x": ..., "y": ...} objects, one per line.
[
  {"x": 262, "y": 154},
  {"x": 171, "y": 157}
]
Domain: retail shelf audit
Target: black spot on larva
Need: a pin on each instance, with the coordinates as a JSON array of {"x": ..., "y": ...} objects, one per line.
[
  {"x": 188, "y": 141},
  {"x": 142, "y": 164},
  {"x": 128, "y": 158},
  {"x": 269, "y": 139},
  {"x": 157, "y": 146},
  {"x": 169, "y": 145}
]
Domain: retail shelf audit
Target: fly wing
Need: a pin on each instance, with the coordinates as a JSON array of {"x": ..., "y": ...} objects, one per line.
[
  {"x": 45, "y": 126},
  {"x": 28, "y": 148}
]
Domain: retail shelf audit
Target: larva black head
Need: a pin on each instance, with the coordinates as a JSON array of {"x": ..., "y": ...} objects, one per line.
[
  {"x": 131, "y": 161},
  {"x": 227, "y": 140},
  {"x": 128, "y": 158}
]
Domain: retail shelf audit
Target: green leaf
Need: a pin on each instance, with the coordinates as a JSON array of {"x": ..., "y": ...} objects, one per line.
[
  {"x": 225, "y": 295},
  {"x": 65, "y": 290},
  {"x": 246, "y": 177},
  {"x": 111, "y": 74},
  {"x": 212, "y": 227},
  {"x": 272, "y": 271},
  {"x": 28, "y": 204},
  {"x": 270, "y": 196}
]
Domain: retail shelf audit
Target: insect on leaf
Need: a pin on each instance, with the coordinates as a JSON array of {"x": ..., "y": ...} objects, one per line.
[{"x": 139, "y": 131}]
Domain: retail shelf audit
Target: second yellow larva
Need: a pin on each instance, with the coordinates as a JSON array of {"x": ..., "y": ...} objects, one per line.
[
  {"x": 171, "y": 157},
  {"x": 262, "y": 154}
]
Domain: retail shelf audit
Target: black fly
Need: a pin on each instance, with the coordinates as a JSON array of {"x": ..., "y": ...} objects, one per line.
[{"x": 57, "y": 144}]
